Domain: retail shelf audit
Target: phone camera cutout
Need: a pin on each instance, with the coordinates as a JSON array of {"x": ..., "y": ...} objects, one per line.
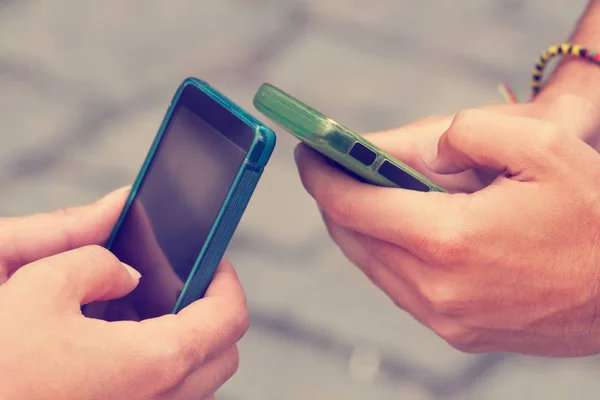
[
  {"x": 363, "y": 154},
  {"x": 401, "y": 178}
]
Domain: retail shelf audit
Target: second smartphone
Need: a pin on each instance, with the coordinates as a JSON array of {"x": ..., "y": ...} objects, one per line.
[
  {"x": 347, "y": 149},
  {"x": 186, "y": 202}
]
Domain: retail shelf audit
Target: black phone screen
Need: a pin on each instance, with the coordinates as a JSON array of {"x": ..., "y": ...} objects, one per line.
[{"x": 186, "y": 183}]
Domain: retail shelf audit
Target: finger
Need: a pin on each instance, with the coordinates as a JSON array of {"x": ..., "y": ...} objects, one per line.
[
  {"x": 30, "y": 238},
  {"x": 369, "y": 209},
  {"x": 226, "y": 284},
  {"x": 404, "y": 295},
  {"x": 207, "y": 326},
  {"x": 206, "y": 380},
  {"x": 416, "y": 140},
  {"x": 409, "y": 143},
  {"x": 80, "y": 276},
  {"x": 411, "y": 297},
  {"x": 507, "y": 144}
]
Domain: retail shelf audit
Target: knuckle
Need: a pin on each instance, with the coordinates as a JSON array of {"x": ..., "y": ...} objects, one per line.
[
  {"x": 232, "y": 362},
  {"x": 174, "y": 351},
  {"x": 171, "y": 362},
  {"x": 457, "y": 336},
  {"x": 466, "y": 116},
  {"x": 462, "y": 345},
  {"x": 61, "y": 271},
  {"x": 340, "y": 212},
  {"x": 102, "y": 259},
  {"x": 98, "y": 255},
  {"x": 52, "y": 279},
  {"x": 323, "y": 193},
  {"x": 60, "y": 274},
  {"x": 464, "y": 129},
  {"x": 371, "y": 267},
  {"x": 453, "y": 135},
  {"x": 64, "y": 213},
  {"x": 460, "y": 124},
  {"x": 449, "y": 248},
  {"x": 240, "y": 318},
  {"x": 333, "y": 229},
  {"x": 234, "y": 321},
  {"x": 446, "y": 299},
  {"x": 551, "y": 139}
]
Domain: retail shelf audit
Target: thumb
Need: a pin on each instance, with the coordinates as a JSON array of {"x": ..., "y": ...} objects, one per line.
[
  {"x": 491, "y": 141},
  {"x": 80, "y": 276}
]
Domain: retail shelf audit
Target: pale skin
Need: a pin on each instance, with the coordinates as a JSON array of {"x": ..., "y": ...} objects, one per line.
[
  {"x": 50, "y": 265},
  {"x": 509, "y": 260}
]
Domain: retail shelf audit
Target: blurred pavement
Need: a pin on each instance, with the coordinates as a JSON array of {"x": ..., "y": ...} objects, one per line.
[{"x": 84, "y": 86}]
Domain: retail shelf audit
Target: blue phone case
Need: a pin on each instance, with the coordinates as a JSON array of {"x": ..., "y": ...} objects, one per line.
[{"x": 235, "y": 203}]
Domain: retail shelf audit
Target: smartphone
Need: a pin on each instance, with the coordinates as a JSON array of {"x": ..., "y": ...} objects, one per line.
[
  {"x": 186, "y": 202},
  {"x": 346, "y": 149}
]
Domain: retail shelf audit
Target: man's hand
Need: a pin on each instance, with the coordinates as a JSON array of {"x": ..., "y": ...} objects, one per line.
[
  {"x": 514, "y": 266},
  {"x": 416, "y": 140},
  {"x": 50, "y": 351}
]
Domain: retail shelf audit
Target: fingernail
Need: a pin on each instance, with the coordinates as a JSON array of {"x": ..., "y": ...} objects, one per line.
[
  {"x": 132, "y": 271},
  {"x": 431, "y": 153},
  {"x": 110, "y": 195}
]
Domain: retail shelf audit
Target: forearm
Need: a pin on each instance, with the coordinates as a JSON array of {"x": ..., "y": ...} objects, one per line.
[{"x": 574, "y": 75}]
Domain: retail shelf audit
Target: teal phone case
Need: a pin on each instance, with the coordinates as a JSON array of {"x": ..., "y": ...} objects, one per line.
[
  {"x": 347, "y": 149},
  {"x": 235, "y": 203}
]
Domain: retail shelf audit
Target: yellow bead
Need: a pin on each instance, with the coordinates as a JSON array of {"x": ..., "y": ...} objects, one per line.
[{"x": 545, "y": 56}]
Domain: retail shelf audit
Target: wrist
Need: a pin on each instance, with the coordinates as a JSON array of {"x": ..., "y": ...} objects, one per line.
[
  {"x": 573, "y": 105},
  {"x": 573, "y": 76}
]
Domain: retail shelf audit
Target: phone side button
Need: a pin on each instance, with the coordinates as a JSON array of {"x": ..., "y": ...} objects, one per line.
[
  {"x": 401, "y": 178},
  {"x": 362, "y": 154}
]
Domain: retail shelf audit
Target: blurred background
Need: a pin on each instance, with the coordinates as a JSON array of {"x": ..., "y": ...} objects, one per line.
[{"x": 83, "y": 88}]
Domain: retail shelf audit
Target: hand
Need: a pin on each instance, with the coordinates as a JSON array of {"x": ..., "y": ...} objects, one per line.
[
  {"x": 51, "y": 351},
  {"x": 412, "y": 142},
  {"x": 27, "y": 239},
  {"x": 512, "y": 267}
]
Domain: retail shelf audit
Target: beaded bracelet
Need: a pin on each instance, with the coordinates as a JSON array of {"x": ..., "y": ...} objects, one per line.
[{"x": 538, "y": 72}]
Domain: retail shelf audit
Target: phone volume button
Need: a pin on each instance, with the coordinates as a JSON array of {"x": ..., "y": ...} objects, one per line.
[
  {"x": 363, "y": 154},
  {"x": 400, "y": 177}
]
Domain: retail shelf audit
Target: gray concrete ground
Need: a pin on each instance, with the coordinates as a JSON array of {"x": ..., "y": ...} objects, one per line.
[{"x": 84, "y": 86}]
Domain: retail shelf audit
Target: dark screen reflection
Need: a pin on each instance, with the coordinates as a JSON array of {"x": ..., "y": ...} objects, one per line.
[{"x": 171, "y": 217}]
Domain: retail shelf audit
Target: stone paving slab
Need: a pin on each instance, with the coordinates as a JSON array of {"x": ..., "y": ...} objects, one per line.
[{"x": 84, "y": 86}]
